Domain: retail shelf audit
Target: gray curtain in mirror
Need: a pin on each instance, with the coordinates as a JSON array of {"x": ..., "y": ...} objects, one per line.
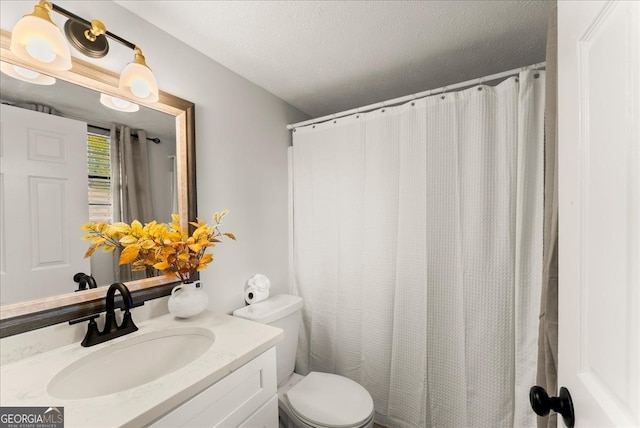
[
  {"x": 130, "y": 183},
  {"x": 548, "y": 329}
]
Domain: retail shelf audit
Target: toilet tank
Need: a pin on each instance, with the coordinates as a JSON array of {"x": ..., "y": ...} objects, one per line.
[{"x": 282, "y": 311}]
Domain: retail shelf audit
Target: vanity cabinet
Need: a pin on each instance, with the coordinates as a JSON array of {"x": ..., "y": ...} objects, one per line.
[{"x": 246, "y": 398}]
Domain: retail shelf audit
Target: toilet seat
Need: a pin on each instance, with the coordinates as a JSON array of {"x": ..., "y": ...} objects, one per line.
[{"x": 332, "y": 401}]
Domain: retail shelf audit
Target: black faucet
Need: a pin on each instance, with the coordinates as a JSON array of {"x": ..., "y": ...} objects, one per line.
[
  {"x": 84, "y": 281},
  {"x": 111, "y": 328}
]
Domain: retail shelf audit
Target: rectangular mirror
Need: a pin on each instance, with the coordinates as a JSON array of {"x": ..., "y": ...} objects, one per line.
[{"x": 171, "y": 119}]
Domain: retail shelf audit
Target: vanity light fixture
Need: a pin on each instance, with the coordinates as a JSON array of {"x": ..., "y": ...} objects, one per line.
[
  {"x": 26, "y": 74},
  {"x": 37, "y": 40},
  {"x": 118, "y": 104}
]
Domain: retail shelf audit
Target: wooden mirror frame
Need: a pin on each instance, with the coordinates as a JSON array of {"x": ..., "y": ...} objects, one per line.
[{"x": 25, "y": 316}]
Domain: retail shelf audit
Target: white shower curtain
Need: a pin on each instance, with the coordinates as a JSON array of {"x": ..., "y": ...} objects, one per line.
[{"x": 417, "y": 251}]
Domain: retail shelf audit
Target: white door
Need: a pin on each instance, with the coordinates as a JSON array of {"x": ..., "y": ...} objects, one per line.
[
  {"x": 599, "y": 241},
  {"x": 43, "y": 202}
]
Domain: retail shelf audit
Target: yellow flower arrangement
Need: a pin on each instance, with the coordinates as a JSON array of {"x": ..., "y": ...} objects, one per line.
[{"x": 166, "y": 247}]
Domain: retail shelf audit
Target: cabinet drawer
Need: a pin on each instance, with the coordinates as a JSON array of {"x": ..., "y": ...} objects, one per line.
[
  {"x": 265, "y": 417},
  {"x": 231, "y": 400}
]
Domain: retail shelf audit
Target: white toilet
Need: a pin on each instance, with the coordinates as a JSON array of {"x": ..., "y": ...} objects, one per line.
[{"x": 318, "y": 400}]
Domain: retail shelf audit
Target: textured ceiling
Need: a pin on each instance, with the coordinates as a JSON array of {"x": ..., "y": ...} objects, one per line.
[{"x": 327, "y": 56}]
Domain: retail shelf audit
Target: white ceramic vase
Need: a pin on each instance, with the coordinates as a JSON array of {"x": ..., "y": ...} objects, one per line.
[{"x": 188, "y": 300}]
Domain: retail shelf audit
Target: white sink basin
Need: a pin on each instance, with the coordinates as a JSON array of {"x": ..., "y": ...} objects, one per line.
[{"x": 130, "y": 363}]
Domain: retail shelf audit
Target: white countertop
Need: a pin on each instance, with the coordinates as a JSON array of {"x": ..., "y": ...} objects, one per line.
[{"x": 237, "y": 341}]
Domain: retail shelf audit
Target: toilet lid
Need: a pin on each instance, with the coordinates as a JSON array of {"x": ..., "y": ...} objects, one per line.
[{"x": 330, "y": 400}]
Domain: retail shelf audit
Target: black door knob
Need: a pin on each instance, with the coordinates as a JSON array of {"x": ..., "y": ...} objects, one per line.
[{"x": 542, "y": 404}]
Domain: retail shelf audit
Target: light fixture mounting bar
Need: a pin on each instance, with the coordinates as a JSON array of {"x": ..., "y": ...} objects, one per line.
[{"x": 62, "y": 11}]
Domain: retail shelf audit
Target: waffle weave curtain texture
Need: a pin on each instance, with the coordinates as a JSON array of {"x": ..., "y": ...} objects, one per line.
[{"x": 418, "y": 253}]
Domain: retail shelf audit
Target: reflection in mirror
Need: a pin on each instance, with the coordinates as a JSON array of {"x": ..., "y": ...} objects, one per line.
[
  {"x": 173, "y": 185},
  {"x": 120, "y": 177}
]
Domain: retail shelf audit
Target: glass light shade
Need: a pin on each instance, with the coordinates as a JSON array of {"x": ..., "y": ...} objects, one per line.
[
  {"x": 118, "y": 103},
  {"x": 38, "y": 41},
  {"x": 26, "y": 74},
  {"x": 138, "y": 81}
]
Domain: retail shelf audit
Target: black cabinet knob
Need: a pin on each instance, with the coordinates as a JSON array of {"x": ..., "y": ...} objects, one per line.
[{"x": 542, "y": 404}]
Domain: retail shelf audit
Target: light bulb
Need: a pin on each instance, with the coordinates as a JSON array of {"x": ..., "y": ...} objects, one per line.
[
  {"x": 118, "y": 104},
  {"x": 25, "y": 72},
  {"x": 40, "y": 50},
  {"x": 140, "y": 88}
]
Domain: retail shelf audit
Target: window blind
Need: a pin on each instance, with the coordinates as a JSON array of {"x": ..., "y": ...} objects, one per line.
[{"x": 99, "y": 168}]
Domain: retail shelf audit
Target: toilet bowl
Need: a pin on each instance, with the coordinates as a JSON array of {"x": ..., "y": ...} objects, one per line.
[
  {"x": 317, "y": 400},
  {"x": 321, "y": 400}
]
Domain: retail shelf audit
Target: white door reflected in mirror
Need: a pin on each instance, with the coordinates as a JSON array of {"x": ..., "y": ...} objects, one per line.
[{"x": 44, "y": 191}]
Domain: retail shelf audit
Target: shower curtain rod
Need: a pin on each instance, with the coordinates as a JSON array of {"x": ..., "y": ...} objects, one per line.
[{"x": 406, "y": 98}]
